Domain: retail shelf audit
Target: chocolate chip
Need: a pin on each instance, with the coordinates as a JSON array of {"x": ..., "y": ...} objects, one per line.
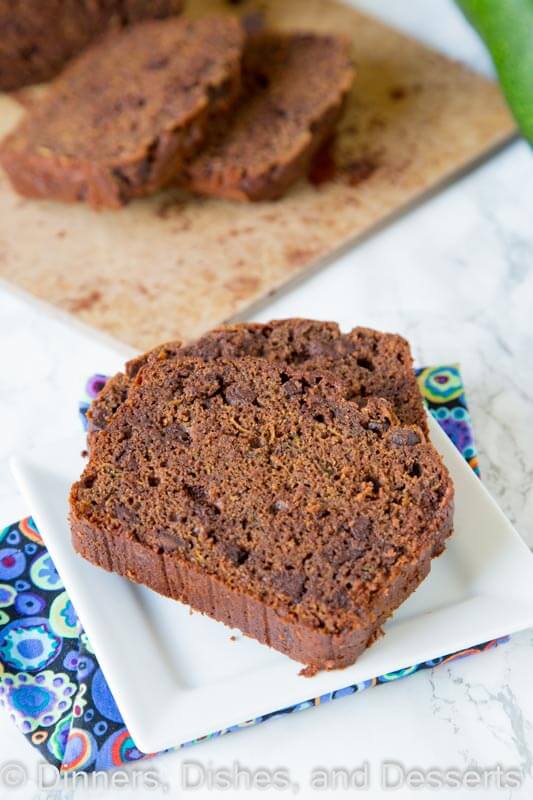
[
  {"x": 293, "y": 388},
  {"x": 391, "y": 555},
  {"x": 175, "y": 432},
  {"x": 337, "y": 553},
  {"x": 350, "y": 542},
  {"x": 361, "y": 528},
  {"x": 239, "y": 394},
  {"x": 290, "y": 583},
  {"x": 157, "y": 62},
  {"x": 236, "y": 554},
  {"x": 169, "y": 542},
  {"x": 404, "y": 437},
  {"x": 340, "y": 599},
  {"x": 318, "y": 349},
  {"x": 204, "y": 386},
  {"x": 379, "y": 425},
  {"x": 182, "y": 436},
  {"x": 126, "y": 513}
]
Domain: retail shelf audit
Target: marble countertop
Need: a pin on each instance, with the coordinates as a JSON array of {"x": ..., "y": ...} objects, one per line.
[{"x": 456, "y": 277}]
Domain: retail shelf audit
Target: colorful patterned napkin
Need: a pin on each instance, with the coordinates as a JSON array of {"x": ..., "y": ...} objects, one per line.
[{"x": 50, "y": 682}]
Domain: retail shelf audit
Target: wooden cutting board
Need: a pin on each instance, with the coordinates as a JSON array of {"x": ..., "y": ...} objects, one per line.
[{"x": 175, "y": 265}]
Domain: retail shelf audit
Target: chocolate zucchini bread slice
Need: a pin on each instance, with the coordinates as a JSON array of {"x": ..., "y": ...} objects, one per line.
[
  {"x": 267, "y": 498},
  {"x": 37, "y": 38},
  {"x": 120, "y": 121},
  {"x": 366, "y": 361},
  {"x": 296, "y": 85}
]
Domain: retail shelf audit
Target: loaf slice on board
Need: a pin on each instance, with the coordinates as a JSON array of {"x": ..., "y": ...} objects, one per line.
[
  {"x": 120, "y": 121},
  {"x": 296, "y": 86}
]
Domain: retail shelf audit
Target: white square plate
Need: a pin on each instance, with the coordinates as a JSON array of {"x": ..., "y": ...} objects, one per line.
[{"x": 177, "y": 676}]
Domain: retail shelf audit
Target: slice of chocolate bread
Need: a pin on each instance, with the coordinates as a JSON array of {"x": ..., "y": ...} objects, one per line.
[
  {"x": 264, "y": 497},
  {"x": 368, "y": 362},
  {"x": 296, "y": 85},
  {"x": 121, "y": 119},
  {"x": 37, "y": 38}
]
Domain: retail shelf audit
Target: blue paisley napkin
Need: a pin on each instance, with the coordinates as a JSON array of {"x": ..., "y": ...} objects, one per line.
[{"x": 50, "y": 682}]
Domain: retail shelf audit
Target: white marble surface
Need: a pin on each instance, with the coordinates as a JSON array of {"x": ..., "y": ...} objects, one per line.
[{"x": 456, "y": 277}]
